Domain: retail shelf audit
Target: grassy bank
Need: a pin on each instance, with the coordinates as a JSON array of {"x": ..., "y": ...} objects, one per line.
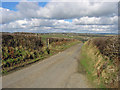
[
  {"x": 21, "y": 50},
  {"x": 101, "y": 70}
]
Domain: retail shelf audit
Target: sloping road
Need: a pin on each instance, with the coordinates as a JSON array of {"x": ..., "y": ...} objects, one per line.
[{"x": 58, "y": 71}]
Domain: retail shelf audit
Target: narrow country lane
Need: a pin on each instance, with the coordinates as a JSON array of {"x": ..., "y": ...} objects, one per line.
[{"x": 57, "y": 71}]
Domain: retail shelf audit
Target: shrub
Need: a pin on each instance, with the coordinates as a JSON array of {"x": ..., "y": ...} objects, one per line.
[
  {"x": 16, "y": 48},
  {"x": 108, "y": 46}
]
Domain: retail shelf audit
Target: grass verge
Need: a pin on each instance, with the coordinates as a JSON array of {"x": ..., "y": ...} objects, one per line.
[{"x": 101, "y": 72}]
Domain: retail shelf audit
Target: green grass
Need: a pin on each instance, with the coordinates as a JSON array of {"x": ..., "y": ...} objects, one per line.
[
  {"x": 62, "y": 47},
  {"x": 98, "y": 67},
  {"x": 85, "y": 62},
  {"x": 55, "y": 35},
  {"x": 88, "y": 64}
]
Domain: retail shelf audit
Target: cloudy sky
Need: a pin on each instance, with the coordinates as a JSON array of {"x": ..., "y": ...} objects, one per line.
[{"x": 72, "y": 17}]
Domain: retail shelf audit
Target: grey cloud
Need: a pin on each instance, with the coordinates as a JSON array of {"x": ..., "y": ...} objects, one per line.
[
  {"x": 8, "y": 15},
  {"x": 46, "y": 25},
  {"x": 52, "y": 10},
  {"x": 96, "y": 20},
  {"x": 28, "y": 9},
  {"x": 73, "y": 10},
  {"x": 86, "y": 17}
]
